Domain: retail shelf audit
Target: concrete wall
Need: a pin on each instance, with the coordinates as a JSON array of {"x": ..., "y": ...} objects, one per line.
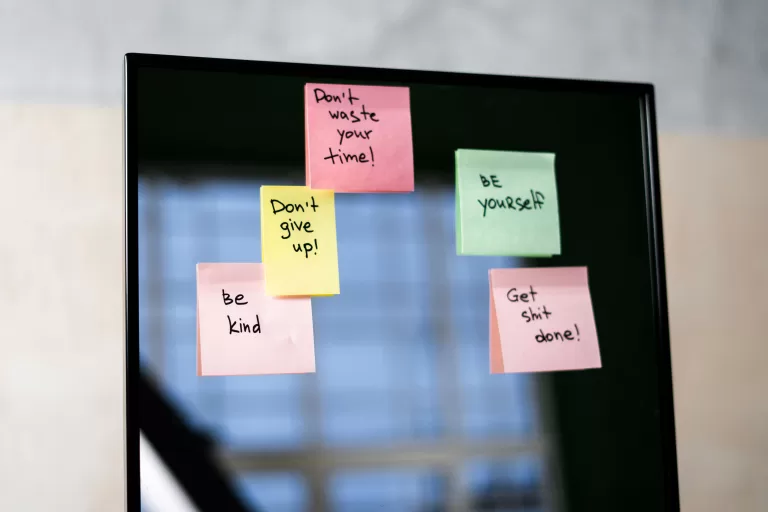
[
  {"x": 708, "y": 57},
  {"x": 61, "y": 197},
  {"x": 716, "y": 233},
  {"x": 61, "y": 294}
]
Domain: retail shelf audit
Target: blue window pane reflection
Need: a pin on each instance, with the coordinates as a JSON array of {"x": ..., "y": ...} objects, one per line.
[
  {"x": 509, "y": 485},
  {"x": 275, "y": 492},
  {"x": 402, "y": 490}
]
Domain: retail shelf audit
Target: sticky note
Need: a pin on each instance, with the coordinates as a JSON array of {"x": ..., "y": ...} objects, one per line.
[
  {"x": 541, "y": 320},
  {"x": 243, "y": 331},
  {"x": 358, "y": 138},
  {"x": 298, "y": 241},
  {"x": 506, "y": 203}
]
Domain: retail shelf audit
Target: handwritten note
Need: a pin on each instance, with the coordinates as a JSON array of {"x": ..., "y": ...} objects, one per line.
[
  {"x": 541, "y": 320},
  {"x": 358, "y": 138},
  {"x": 506, "y": 204},
  {"x": 298, "y": 241},
  {"x": 242, "y": 331}
]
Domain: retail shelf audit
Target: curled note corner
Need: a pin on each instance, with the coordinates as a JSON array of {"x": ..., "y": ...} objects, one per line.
[{"x": 289, "y": 341}]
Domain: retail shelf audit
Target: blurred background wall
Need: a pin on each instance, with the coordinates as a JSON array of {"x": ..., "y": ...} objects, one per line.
[{"x": 61, "y": 198}]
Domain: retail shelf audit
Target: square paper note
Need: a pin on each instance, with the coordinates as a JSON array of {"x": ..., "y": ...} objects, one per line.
[
  {"x": 542, "y": 320},
  {"x": 358, "y": 138},
  {"x": 298, "y": 241},
  {"x": 506, "y": 203},
  {"x": 242, "y": 331}
]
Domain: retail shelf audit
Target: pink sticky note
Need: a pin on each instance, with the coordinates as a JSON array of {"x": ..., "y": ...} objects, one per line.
[
  {"x": 358, "y": 138},
  {"x": 541, "y": 320},
  {"x": 243, "y": 331},
  {"x": 197, "y": 349}
]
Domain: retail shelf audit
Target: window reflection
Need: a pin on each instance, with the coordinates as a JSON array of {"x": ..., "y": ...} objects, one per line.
[{"x": 402, "y": 391}]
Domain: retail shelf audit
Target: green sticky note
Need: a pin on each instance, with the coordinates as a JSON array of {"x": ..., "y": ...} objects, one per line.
[{"x": 506, "y": 204}]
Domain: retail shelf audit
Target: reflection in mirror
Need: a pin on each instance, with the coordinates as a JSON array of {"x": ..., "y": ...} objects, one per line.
[{"x": 402, "y": 413}]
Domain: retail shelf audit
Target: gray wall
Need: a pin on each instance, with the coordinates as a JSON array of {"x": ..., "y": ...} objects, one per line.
[
  {"x": 709, "y": 58},
  {"x": 60, "y": 199}
]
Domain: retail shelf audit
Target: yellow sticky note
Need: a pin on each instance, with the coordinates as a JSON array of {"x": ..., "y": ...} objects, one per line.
[{"x": 298, "y": 241}]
